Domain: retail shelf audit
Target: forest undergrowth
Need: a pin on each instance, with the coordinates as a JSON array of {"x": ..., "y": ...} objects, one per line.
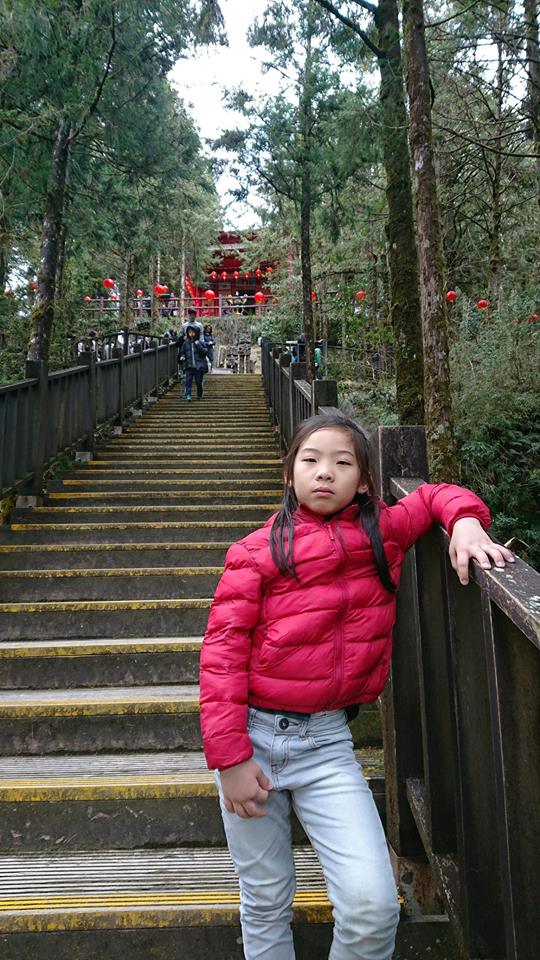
[{"x": 496, "y": 403}]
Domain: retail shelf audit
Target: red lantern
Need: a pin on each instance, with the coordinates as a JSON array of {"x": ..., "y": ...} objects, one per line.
[
  {"x": 108, "y": 283},
  {"x": 269, "y": 269},
  {"x": 482, "y": 304},
  {"x": 313, "y": 296},
  {"x": 159, "y": 290},
  {"x": 258, "y": 272},
  {"x": 224, "y": 275},
  {"x": 139, "y": 293},
  {"x": 360, "y": 295},
  {"x": 451, "y": 296},
  {"x": 259, "y": 296},
  {"x": 88, "y": 299},
  {"x": 236, "y": 275},
  {"x": 165, "y": 288},
  {"x": 209, "y": 295},
  {"x": 213, "y": 275},
  {"x": 247, "y": 274}
]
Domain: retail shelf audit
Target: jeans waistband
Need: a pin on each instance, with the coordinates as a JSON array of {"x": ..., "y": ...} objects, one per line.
[{"x": 293, "y": 714}]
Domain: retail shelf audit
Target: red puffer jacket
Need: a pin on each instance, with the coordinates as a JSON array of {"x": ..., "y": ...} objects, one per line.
[{"x": 317, "y": 643}]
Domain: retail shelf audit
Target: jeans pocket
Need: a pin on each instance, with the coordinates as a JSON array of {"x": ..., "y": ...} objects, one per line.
[{"x": 329, "y": 727}]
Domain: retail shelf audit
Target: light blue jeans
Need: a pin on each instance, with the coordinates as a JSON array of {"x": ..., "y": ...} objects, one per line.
[{"x": 311, "y": 764}]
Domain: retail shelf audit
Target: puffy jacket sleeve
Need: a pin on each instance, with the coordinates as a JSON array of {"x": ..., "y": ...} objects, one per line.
[
  {"x": 443, "y": 503},
  {"x": 225, "y": 660}
]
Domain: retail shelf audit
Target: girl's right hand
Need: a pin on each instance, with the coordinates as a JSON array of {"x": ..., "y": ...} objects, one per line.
[{"x": 245, "y": 787}]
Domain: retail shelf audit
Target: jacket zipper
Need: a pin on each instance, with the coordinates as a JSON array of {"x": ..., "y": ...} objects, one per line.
[{"x": 339, "y": 662}]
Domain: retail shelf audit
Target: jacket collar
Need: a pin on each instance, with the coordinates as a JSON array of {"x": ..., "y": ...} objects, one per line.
[{"x": 303, "y": 513}]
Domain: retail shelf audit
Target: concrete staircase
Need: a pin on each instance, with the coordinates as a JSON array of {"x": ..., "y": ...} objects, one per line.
[{"x": 110, "y": 833}]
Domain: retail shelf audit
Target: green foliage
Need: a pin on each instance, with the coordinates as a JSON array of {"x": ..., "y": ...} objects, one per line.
[
  {"x": 496, "y": 388},
  {"x": 137, "y": 182}
]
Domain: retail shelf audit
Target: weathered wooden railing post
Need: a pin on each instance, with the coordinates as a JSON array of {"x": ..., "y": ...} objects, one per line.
[
  {"x": 323, "y": 394},
  {"x": 274, "y": 384},
  {"x": 398, "y": 452},
  {"x": 284, "y": 400},
  {"x": 37, "y": 369},
  {"x": 138, "y": 351},
  {"x": 156, "y": 368},
  {"x": 88, "y": 359},
  {"x": 297, "y": 371},
  {"x": 118, "y": 354}
]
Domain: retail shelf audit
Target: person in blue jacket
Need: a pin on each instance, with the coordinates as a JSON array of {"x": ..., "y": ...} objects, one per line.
[{"x": 192, "y": 356}]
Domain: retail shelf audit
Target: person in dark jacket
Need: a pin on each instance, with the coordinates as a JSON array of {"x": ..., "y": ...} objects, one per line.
[
  {"x": 210, "y": 343},
  {"x": 192, "y": 355}
]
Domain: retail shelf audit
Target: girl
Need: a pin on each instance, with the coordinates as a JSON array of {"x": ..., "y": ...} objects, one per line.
[
  {"x": 300, "y": 630},
  {"x": 210, "y": 344}
]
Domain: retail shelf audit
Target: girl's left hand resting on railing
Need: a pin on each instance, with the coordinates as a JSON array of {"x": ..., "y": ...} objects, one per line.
[{"x": 469, "y": 541}]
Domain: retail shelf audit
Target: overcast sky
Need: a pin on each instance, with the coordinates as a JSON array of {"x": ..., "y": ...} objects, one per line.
[{"x": 201, "y": 79}]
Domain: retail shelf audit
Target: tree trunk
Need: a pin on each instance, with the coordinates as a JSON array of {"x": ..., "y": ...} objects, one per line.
[
  {"x": 533, "y": 78},
  {"x": 442, "y": 455},
  {"x": 496, "y": 180},
  {"x": 5, "y": 251},
  {"x": 43, "y": 313},
  {"x": 400, "y": 233},
  {"x": 60, "y": 266},
  {"x": 182, "y": 295},
  {"x": 306, "y": 199}
]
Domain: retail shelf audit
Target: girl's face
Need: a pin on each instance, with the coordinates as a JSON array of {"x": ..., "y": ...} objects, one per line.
[{"x": 326, "y": 474}]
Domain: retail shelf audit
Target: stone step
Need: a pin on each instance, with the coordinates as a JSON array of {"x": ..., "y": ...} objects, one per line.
[
  {"x": 189, "y": 448},
  {"x": 181, "y": 531},
  {"x": 165, "y": 459},
  {"x": 19, "y": 556},
  {"x": 179, "y": 498},
  {"x": 267, "y": 503},
  {"x": 122, "y": 801},
  {"x": 199, "y": 431},
  {"x": 112, "y": 583},
  {"x": 145, "y": 515},
  {"x": 176, "y": 468},
  {"x": 104, "y": 618},
  {"x": 179, "y": 904},
  {"x": 160, "y": 456},
  {"x": 99, "y": 719},
  {"x": 63, "y": 664},
  {"x": 145, "y": 482}
]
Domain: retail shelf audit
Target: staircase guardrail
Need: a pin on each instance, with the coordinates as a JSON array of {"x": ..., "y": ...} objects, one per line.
[
  {"x": 48, "y": 413},
  {"x": 460, "y": 715},
  {"x": 290, "y": 397}
]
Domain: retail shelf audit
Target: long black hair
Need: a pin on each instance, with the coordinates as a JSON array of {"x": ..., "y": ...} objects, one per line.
[{"x": 282, "y": 532}]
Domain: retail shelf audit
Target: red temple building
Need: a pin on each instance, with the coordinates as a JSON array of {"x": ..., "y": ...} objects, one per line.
[{"x": 227, "y": 275}]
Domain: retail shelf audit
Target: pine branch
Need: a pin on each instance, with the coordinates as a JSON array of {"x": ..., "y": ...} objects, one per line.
[{"x": 352, "y": 24}]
